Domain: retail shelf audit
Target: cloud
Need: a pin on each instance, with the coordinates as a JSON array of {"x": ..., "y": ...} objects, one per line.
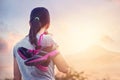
[
  {"x": 3, "y": 46},
  {"x": 4, "y": 30},
  {"x": 3, "y": 27},
  {"x": 7, "y": 34},
  {"x": 107, "y": 39}
]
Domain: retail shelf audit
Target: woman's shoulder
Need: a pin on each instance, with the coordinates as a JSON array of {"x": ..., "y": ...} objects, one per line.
[
  {"x": 48, "y": 39},
  {"x": 21, "y": 42}
]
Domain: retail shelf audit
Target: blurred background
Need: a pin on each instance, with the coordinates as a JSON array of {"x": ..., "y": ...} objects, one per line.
[{"x": 87, "y": 32}]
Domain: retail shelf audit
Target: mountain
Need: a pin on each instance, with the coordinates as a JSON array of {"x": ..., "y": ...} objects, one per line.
[{"x": 96, "y": 61}]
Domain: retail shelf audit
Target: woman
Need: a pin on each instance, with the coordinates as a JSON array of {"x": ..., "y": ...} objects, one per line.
[{"x": 39, "y": 23}]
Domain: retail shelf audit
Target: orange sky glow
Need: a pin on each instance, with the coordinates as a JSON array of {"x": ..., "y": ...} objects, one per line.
[{"x": 87, "y": 33}]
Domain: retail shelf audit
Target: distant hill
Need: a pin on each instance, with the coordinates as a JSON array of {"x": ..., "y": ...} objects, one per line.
[
  {"x": 96, "y": 60},
  {"x": 94, "y": 52}
]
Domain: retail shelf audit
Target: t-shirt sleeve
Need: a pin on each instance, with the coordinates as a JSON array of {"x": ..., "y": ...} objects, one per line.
[{"x": 48, "y": 43}]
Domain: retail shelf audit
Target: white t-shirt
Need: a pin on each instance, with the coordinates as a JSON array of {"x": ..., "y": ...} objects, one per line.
[{"x": 31, "y": 72}]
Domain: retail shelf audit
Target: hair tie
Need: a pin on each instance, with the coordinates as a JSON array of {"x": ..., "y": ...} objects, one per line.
[{"x": 37, "y": 18}]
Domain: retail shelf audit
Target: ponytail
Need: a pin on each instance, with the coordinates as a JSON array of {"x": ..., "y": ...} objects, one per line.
[
  {"x": 34, "y": 29},
  {"x": 39, "y": 17}
]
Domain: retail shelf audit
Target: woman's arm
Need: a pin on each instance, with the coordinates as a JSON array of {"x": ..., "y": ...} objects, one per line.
[
  {"x": 58, "y": 59},
  {"x": 61, "y": 64},
  {"x": 17, "y": 75}
]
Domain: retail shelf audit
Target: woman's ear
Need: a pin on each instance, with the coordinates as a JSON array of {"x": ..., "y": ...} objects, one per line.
[{"x": 47, "y": 26}]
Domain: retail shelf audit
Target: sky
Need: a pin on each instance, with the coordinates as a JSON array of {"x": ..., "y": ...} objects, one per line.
[
  {"x": 83, "y": 22},
  {"x": 75, "y": 24}
]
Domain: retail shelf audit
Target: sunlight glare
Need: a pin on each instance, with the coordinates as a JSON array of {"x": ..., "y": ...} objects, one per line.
[{"x": 82, "y": 37}]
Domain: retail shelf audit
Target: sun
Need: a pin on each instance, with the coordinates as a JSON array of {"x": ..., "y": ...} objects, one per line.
[
  {"x": 82, "y": 37},
  {"x": 76, "y": 35}
]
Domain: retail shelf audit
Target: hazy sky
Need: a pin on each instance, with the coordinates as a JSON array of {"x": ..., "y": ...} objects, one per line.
[{"x": 76, "y": 23}]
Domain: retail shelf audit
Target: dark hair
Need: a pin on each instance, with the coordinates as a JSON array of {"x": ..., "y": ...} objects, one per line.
[{"x": 39, "y": 17}]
